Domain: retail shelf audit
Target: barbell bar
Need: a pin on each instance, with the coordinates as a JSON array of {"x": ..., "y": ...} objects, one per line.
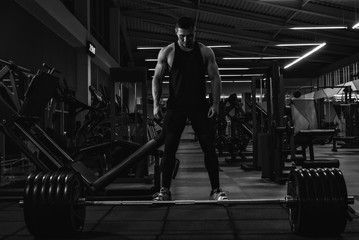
[
  {"x": 289, "y": 201},
  {"x": 54, "y": 203}
]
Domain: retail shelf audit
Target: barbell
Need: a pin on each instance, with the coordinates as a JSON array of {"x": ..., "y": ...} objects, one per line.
[{"x": 54, "y": 203}]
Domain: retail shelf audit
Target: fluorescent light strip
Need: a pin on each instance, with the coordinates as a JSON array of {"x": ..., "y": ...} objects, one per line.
[
  {"x": 233, "y": 75},
  {"x": 148, "y": 48},
  {"x": 297, "y": 44},
  {"x": 318, "y": 27},
  {"x": 221, "y": 69},
  {"x": 225, "y": 69},
  {"x": 220, "y": 46},
  {"x": 249, "y": 58},
  {"x": 356, "y": 26},
  {"x": 306, "y": 55},
  {"x": 241, "y": 75},
  {"x": 157, "y": 47},
  {"x": 236, "y": 81},
  {"x": 151, "y": 60}
]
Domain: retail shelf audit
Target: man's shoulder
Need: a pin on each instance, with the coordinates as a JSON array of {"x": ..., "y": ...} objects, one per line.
[
  {"x": 204, "y": 49},
  {"x": 169, "y": 47}
]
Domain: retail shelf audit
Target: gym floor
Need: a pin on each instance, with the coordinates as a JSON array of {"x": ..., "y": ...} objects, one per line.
[{"x": 206, "y": 221}]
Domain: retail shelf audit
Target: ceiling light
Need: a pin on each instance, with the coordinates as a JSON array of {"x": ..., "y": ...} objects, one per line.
[
  {"x": 233, "y": 75},
  {"x": 148, "y": 48},
  {"x": 236, "y": 81},
  {"x": 241, "y": 75},
  {"x": 151, "y": 60},
  {"x": 318, "y": 27},
  {"x": 224, "y": 69},
  {"x": 221, "y": 69},
  {"x": 219, "y": 46},
  {"x": 158, "y": 48},
  {"x": 356, "y": 26},
  {"x": 306, "y": 55},
  {"x": 297, "y": 44},
  {"x": 249, "y": 58}
]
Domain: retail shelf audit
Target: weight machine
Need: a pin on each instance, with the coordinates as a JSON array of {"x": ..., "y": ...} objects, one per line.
[{"x": 21, "y": 126}]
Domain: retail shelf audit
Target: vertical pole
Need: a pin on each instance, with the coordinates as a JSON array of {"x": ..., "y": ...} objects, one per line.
[
  {"x": 144, "y": 104},
  {"x": 2, "y": 153},
  {"x": 254, "y": 119},
  {"x": 278, "y": 112}
]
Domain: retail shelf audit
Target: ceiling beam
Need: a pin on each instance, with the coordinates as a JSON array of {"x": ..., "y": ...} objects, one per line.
[{"x": 243, "y": 15}]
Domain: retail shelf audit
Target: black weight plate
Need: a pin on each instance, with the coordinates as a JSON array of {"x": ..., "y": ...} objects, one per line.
[
  {"x": 324, "y": 224},
  {"x": 342, "y": 201},
  {"x": 318, "y": 199},
  {"x": 35, "y": 227},
  {"x": 343, "y": 190},
  {"x": 45, "y": 189},
  {"x": 303, "y": 226},
  {"x": 220, "y": 142},
  {"x": 292, "y": 191},
  {"x": 333, "y": 211},
  {"x": 308, "y": 211},
  {"x": 54, "y": 217},
  {"x": 68, "y": 226},
  {"x": 36, "y": 191},
  {"x": 60, "y": 185},
  {"x": 28, "y": 209},
  {"x": 233, "y": 144},
  {"x": 296, "y": 190},
  {"x": 77, "y": 211},
  {"x": 53, "y": 187}
]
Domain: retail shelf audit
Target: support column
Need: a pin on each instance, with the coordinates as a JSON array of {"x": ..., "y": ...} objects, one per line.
[
  {"x": 83, "y": 61},
  {"x": 115, "y": 20}
]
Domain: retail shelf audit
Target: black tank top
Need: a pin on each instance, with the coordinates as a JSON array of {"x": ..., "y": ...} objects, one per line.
[{"x": 187, "y": 86}]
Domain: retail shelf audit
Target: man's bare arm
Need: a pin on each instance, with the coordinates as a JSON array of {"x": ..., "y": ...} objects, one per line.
[
  {"x": 157, "y": 83},
  {"x": 214, "y": 77}
]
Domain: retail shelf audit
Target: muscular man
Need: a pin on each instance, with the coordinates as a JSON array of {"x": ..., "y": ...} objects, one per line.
[{"x": 187, "y": 62}]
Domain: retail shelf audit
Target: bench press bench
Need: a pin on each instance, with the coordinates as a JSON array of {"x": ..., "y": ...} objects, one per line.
[{"x": 307, "y": 133}]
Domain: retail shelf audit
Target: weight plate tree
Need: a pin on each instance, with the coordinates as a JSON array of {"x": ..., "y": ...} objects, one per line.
[{"x": 54, "y": 203}]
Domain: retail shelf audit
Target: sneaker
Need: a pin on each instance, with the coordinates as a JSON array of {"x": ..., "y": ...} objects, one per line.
[
  {"x": 219, "y": 195},
  {"x": 163, "y": 195}
]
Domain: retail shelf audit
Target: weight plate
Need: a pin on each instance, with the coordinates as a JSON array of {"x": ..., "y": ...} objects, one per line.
[
  {"x": 220, "y": 142},
  {"x": 77, "y": 211},
  {"x": 341, "y": 203},
  {"x": 45, "y": 189},
  {"x": 233, "y": 144},
  {"x": 325, "y": 224},
  {"x": 32, "y": 207},
  {"x": 343, "y": 191},
  {"x": 303, "y": 224},
  {"x": 28, "y": 210},
  {"x": 318, "y": 199},
  {"x": 308, "y": 211},
  {"x": 53, "y": 187},
  {"x": 297, "y": 191},
  {"x": 335, "y": 210}
]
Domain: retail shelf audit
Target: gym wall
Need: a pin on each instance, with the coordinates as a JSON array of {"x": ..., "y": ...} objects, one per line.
[{"x": 27, "y": 42}]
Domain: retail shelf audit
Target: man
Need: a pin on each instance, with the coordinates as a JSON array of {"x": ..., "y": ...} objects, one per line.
[{"x": 187, "y": 62}]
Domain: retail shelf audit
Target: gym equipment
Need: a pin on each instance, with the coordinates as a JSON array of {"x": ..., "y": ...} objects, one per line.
[
  {"x": 240, "y": 133},
  {"x": 21, "y": 126},
  {"x": 54, "y": 202}
]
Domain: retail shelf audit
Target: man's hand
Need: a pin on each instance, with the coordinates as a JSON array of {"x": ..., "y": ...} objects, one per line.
[
  {"x": 157, "y": 112},
  {"x": 213, "y": 110}
]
